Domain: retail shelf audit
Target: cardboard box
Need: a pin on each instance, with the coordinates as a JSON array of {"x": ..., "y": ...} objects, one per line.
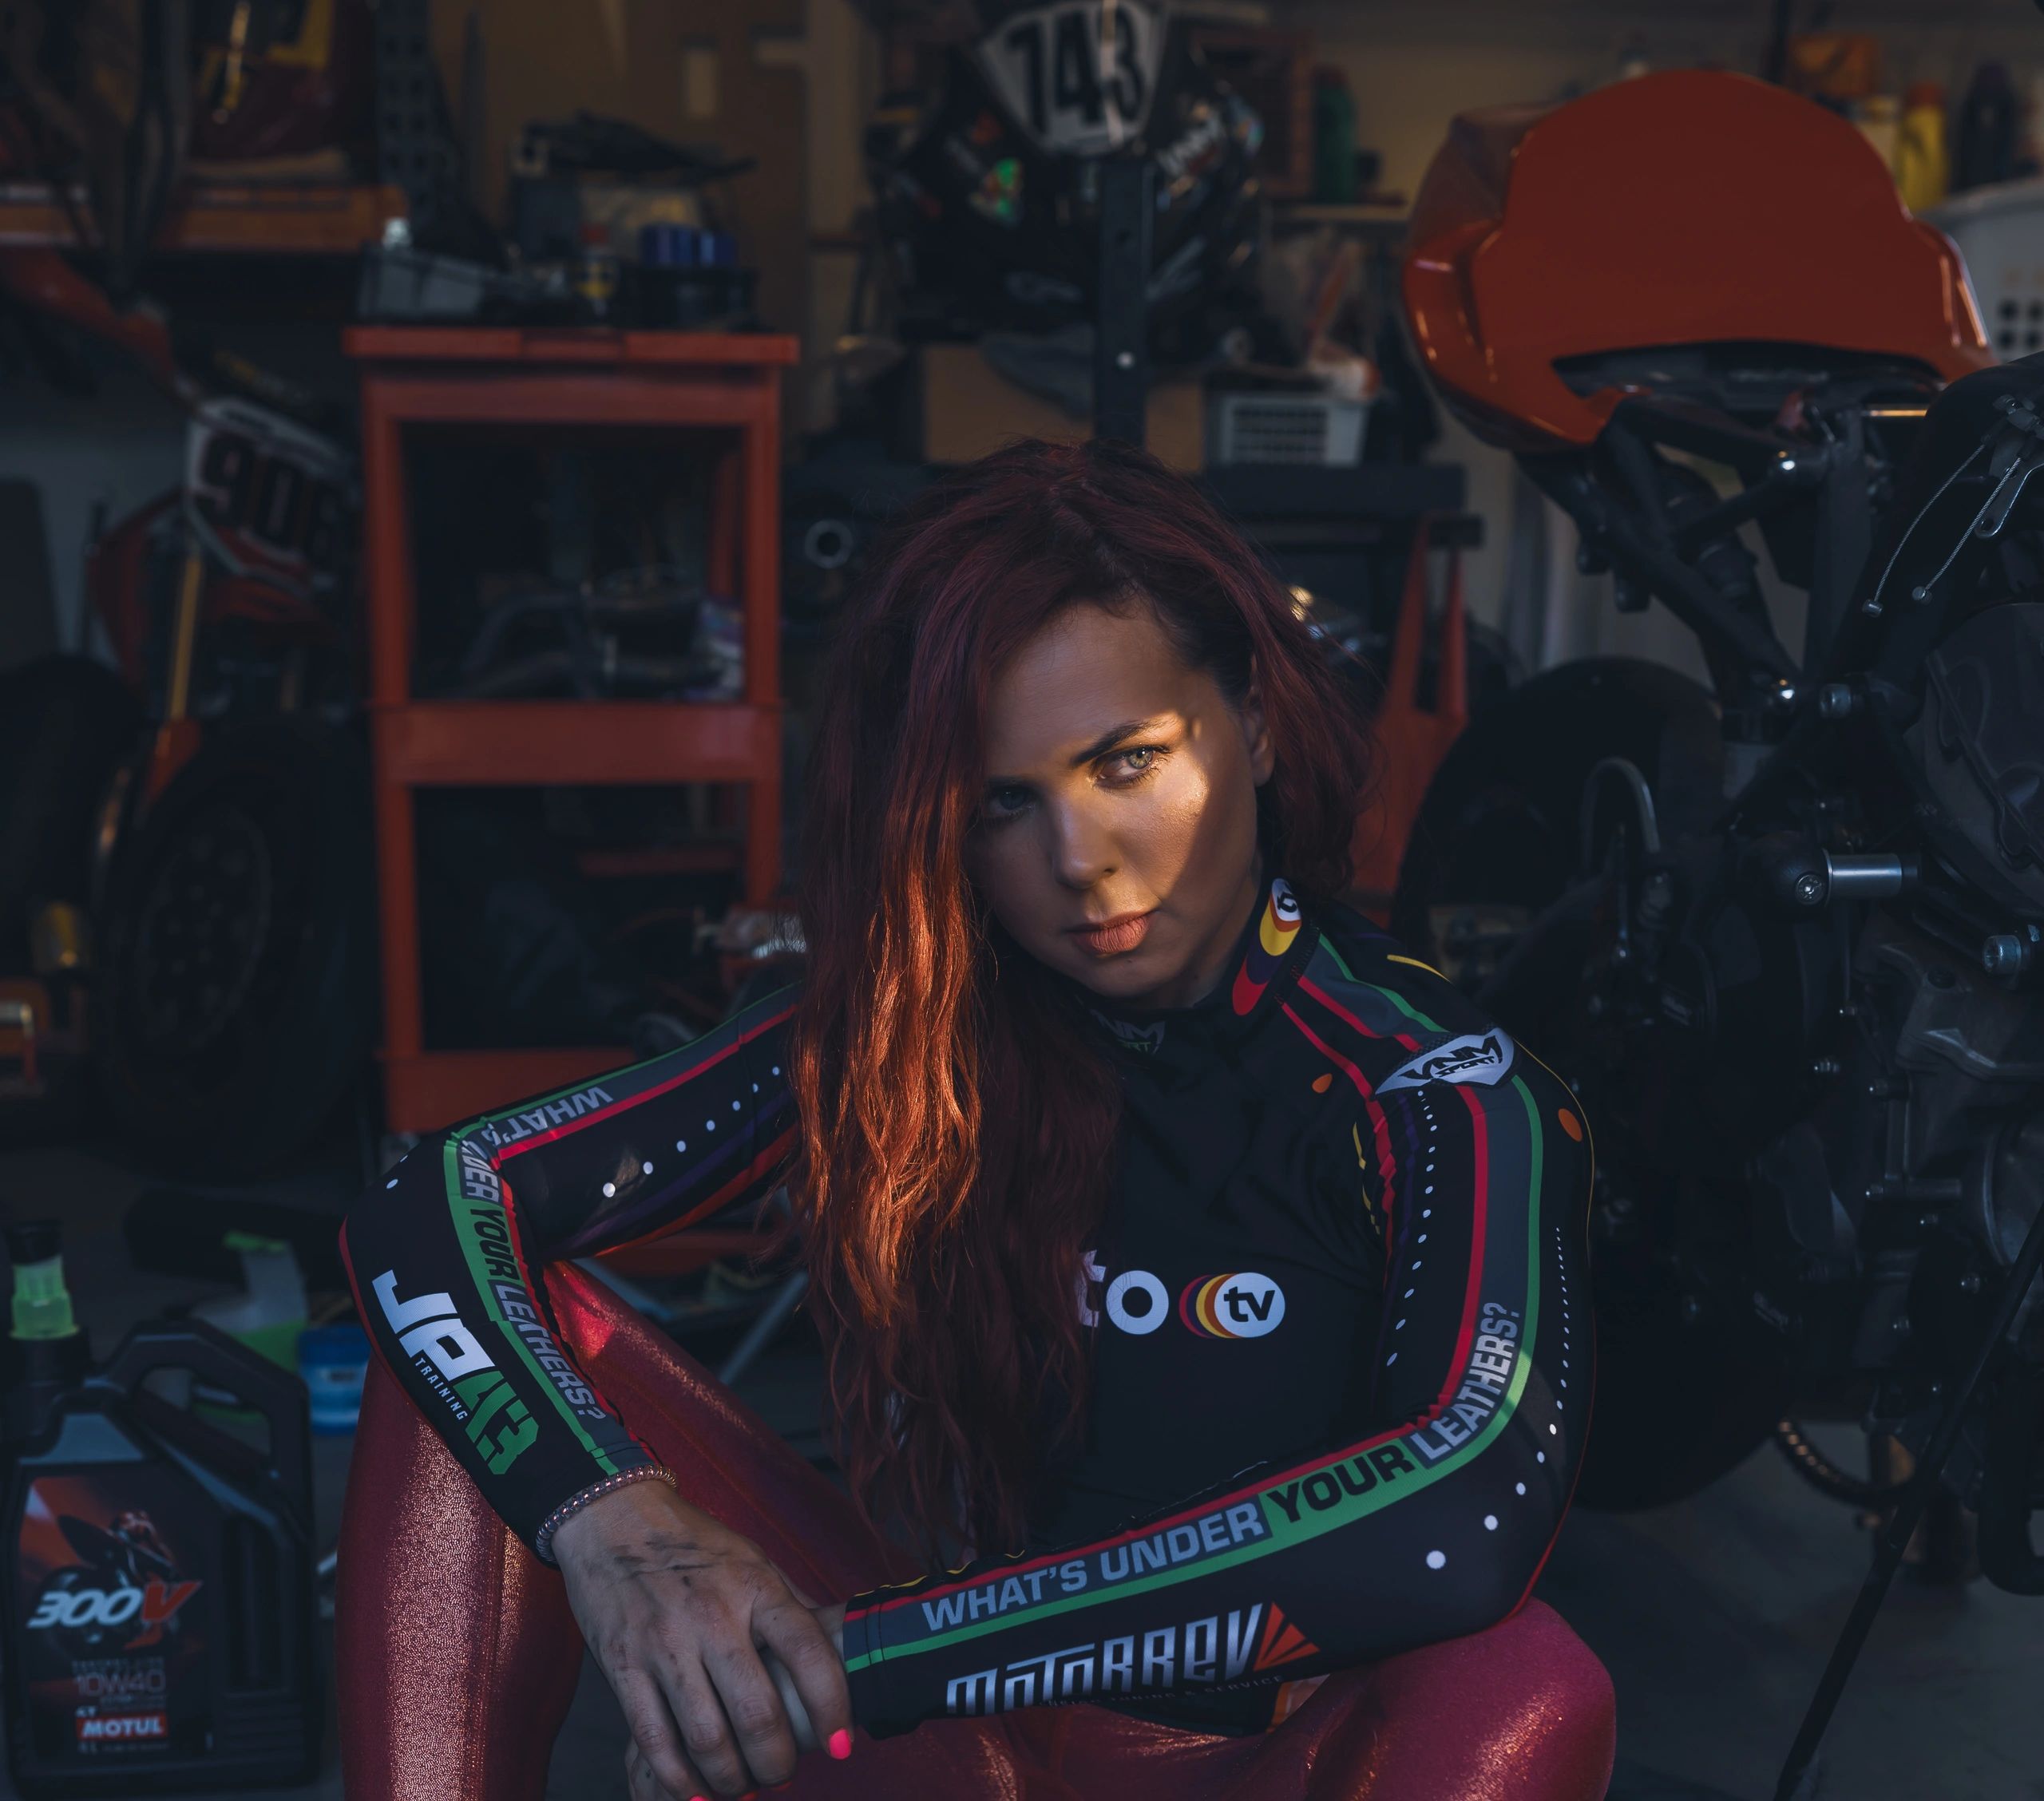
[{"x": 969, "y": 408}]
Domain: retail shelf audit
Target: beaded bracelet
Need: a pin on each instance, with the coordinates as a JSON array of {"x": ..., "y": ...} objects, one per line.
[{"x": 543, "y": 1539}]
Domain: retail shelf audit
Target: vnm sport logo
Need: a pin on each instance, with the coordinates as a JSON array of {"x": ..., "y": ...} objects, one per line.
[{"x": 1482, "y": 1057}]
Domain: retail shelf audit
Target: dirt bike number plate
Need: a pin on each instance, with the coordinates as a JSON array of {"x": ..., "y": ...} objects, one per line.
[
  {"x": 270, "y": 499},
  {"x": 1077, "y": 77}
]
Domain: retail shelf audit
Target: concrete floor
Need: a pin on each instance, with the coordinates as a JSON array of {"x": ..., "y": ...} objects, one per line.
[{"x": 1714, "y": 1616}]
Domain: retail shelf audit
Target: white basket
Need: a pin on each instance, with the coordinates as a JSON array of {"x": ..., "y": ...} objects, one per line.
[
  {"x": 2000, "y": 234},
  {"x": 1285, "y": 428}
]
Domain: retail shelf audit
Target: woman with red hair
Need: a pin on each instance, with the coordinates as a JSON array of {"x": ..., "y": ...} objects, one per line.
[{"x": 1203, "y": 1278}]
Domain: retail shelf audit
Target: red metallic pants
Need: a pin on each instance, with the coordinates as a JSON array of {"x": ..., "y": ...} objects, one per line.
[{"x": 458, "y": 1655}]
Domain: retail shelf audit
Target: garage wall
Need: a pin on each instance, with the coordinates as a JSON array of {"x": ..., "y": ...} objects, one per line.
[{"x": 108, "y": 454}]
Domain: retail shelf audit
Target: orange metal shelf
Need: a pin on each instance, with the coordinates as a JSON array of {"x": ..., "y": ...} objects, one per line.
[
  {"x": 566, "y": 344},
  {"x": 320, "y": 219},
  {"x": 503, "y": 379},
  {"x": 510, "y": 743}
]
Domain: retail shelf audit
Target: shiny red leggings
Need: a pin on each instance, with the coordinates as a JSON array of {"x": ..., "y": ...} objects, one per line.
[{"x": 458, "y": 1655}]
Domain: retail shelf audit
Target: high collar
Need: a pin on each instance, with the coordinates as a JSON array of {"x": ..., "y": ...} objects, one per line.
[{"x": 1272, "y": 946}]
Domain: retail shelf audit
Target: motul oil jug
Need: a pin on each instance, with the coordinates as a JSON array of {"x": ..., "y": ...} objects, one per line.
[{"x": 158, "y": 1571}]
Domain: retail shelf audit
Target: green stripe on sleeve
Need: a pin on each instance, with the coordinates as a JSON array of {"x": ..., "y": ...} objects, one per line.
[{"x": 475, "y": 1251}]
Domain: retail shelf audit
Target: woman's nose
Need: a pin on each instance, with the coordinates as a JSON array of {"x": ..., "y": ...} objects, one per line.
[{"x": 1083, "y": 851}]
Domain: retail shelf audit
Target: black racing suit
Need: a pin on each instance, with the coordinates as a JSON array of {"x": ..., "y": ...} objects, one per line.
[{"x": 1345, "y": 1365}]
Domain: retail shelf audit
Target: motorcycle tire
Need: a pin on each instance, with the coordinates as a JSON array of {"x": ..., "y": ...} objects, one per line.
[
  {"x": 234, "y": 1003},
  {"x": 1676, "y": 1405}
]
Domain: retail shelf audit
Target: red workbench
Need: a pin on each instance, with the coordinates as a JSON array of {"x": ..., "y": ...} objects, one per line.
[{"x": 726, "y": 383}]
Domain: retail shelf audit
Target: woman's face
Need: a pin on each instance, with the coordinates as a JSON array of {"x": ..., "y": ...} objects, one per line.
[{"x": 1121, "y": 793}]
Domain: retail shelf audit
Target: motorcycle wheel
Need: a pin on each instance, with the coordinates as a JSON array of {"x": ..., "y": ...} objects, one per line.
[
  {"x": 1678, "y": 1401},
  {"x": 235, "y": 1001}
]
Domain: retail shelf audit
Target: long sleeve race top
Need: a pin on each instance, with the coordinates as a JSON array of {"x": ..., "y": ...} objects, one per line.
[{"x": 1344, "y": 1361}]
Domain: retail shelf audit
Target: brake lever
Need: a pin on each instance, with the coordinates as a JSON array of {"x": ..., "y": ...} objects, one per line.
[{"x": 1995, "y": 515}]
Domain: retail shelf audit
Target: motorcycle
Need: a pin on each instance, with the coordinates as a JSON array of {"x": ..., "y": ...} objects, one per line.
[
  {"x": 226, "y": 972},
  {"x": 1785, "y": 933}
]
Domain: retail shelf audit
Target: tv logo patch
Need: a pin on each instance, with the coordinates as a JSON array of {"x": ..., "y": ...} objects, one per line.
[
  {"x": 1243, "y": 1305},
  {"x": 1240, "y": 1304}
]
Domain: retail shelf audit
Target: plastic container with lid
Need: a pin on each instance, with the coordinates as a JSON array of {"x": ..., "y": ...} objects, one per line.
[{"x": 1922, "y": 156}]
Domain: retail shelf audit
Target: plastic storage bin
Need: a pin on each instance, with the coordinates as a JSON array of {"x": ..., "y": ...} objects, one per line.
[
  {"x": 1999, "y": 231},
  {"x": 1320, "y": 429}
]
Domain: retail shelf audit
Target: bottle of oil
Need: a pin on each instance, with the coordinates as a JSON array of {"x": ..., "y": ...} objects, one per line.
[
  {"x": 155, "y": 1577},
  {"x": 47, "y": 1352}
]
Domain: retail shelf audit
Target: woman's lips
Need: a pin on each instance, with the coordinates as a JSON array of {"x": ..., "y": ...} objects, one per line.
[{"x": 1116, "y": 936}]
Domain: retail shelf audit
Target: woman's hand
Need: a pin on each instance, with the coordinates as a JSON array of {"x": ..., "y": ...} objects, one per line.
[{"x": 679, "y": 1611}]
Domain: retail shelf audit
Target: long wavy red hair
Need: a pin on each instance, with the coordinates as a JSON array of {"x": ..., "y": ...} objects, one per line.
[{"x": 957, "y": 1125}]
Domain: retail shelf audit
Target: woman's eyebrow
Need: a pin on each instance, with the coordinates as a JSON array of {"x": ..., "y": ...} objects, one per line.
[
  {"x": 1114, "y": 735},
  {"x": 1100, "y": 747}
]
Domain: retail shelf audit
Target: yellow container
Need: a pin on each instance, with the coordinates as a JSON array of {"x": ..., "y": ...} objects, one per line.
[{"x": 1923, "y": 157}]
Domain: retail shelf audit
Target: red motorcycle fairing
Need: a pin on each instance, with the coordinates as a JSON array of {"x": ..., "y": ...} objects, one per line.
[{"x": 1688, "y": 207}]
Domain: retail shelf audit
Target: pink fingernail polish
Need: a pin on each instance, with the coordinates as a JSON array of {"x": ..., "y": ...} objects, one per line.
[{"x": 841, "y": 1743}]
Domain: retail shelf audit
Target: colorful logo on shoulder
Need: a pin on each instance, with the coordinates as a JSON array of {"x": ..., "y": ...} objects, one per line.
[
  {"x": 1241, "y": 1304},
  {"x": 1483, "y": 1057},
  {"x": 1275, "y": 931}
]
